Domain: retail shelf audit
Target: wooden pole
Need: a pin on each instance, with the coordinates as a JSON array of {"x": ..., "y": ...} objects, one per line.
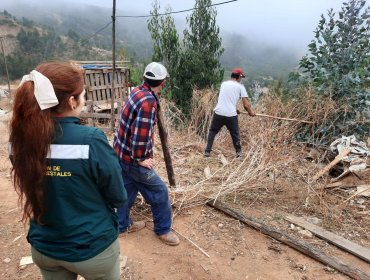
[
  {"x": 113, "y": 93},
  {"x": 299, "y": 245},
  {"x": 280, "y": 118},
  {"x": 166, "y": 151},
  {"x": 6, "y": 66}
]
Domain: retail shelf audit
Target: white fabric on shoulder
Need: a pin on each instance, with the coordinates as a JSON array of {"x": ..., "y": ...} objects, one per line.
[{"x": 44, "y": 90}]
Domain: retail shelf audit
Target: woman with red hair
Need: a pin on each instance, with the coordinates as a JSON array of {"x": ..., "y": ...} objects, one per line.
[{"x": 67, "y": 176}]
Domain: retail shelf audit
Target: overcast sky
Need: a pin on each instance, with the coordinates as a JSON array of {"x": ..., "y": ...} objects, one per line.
[{"x": 283, "y": 22}]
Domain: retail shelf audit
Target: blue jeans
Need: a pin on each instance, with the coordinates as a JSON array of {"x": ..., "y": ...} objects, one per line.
[{"x": 146, "y": 181}]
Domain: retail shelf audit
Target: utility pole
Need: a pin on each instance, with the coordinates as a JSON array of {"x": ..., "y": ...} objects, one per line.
[
  {"x": 6, "y": 66},
  {"x": 113, "y": 93}
]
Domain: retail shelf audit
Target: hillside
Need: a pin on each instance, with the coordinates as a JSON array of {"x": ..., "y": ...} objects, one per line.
[
  {"x": 259, "y": 60},
  {"x": 26, "y": 43}
]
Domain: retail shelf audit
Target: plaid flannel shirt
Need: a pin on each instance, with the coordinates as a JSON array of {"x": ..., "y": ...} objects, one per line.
[{"x": 134, "y": 137}]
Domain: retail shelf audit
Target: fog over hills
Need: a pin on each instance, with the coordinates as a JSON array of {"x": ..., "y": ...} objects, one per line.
[{"x": 258, "y": 56}]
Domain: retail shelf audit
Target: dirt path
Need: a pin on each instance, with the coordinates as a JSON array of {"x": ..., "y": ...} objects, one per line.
[{"x": 235, "y": 251}]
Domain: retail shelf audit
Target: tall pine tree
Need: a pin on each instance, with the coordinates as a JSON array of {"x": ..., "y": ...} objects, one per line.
[
  {"x": 195, "y": 63},
  {"x": 166, "y": 47},
  {"x": 200, "y": 61}
]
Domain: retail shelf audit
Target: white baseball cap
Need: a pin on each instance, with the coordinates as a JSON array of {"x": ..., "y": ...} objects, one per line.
[{"x": 155, "y": 71}]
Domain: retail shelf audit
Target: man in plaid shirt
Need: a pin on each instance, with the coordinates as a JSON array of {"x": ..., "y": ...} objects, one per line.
[{"x": 134, "y": 143}]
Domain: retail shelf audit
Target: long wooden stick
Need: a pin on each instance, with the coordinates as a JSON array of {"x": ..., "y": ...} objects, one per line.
[
  {"x": 297, "y": 244},
  {"x": 166, "y": 151},
  {"x": 279, "y": 118}
]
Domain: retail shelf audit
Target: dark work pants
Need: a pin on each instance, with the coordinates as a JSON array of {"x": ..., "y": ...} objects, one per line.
[
  {"x": 146, "y": 181},
  {"x": 231, "y": 124}
]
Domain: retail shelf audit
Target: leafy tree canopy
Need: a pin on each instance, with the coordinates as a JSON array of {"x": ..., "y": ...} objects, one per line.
[{"x": 338, "y": 64}]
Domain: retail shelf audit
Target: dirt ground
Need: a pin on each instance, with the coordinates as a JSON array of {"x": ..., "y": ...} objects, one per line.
[{"x": 213, "y": 245}]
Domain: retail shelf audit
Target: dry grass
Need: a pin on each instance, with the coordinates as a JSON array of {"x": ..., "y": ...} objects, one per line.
[{"x": 273, "y": 168}]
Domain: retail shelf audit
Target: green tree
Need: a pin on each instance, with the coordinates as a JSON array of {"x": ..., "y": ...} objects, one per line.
[
  {"x": 196, "y": 62},
  {"x": 166, "y": 46},
  {"x": 338, "y": 62},
  {"x": 200, "y": 61}
]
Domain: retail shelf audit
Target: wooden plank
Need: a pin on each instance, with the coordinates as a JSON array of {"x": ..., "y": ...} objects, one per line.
[
  {"x": 95, "y": 82},
  {"x": 102, "y": 87},
  {"x": 299, "y": 245},
  {"x": 349, "y": 246},
  {"x": 337, "y": 159},
  {"x": 101, "y": 102},
  {"x": 108, "y": 85}
]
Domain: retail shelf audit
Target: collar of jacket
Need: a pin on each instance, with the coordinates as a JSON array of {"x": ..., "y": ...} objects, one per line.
[
  {"x": 145, "y": 86},
  {"x": 67, "y": 120}
]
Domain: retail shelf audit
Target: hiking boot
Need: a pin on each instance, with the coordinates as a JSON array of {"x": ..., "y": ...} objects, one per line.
[
  {"x": 170, "y": 239},
  {"x": 207, "y": 154},
  {"x": 136, "y": 226}
]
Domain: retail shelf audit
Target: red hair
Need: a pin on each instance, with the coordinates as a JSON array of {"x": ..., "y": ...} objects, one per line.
[{"x": 32, "y": 131}]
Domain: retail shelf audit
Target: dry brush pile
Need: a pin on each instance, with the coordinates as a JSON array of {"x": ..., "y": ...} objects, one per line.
[{"x": 273, "y": 164}]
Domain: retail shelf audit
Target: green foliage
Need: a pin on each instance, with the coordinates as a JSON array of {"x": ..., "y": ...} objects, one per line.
[
  {"x": 200, "y": 61},
  {"x": 6, "y": 13},
  {"x": 338, "y": 64},
  {"x": 166, "y": 46},
  {"x": 26, "y": 22},
  {"x": 33, "y": 48},
  {"x": 40, "y": 44},
  {"x": 73, "y": 35},
  {"x": 195, "y": 63}
]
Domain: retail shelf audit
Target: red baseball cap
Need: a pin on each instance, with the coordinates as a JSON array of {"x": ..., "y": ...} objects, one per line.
[{"x": 238, "y": 71}]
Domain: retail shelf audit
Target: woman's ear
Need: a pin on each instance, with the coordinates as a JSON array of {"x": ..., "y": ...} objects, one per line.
[{"x": 72, "y": 102}]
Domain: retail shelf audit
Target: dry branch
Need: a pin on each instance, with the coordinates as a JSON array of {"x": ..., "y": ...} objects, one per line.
[{"x": 337, "y": 159}]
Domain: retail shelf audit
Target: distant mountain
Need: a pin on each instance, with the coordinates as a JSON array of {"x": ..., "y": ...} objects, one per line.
[
  {"x": 89, "y": 22},
  {"x": 260, "y": 61},
  {"x": 92, "y": 24}
]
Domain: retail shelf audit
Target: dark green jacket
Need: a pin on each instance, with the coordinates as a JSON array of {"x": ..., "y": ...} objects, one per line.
[{"x": 83, "y": 185}]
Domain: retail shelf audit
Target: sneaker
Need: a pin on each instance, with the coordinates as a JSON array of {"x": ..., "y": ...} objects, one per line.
[
  {"x": 170, "y": 239},
  {"x": 207, "y": 154},
  {"x": 136, "y": 226},
  {"x": 238, "y": 154}
]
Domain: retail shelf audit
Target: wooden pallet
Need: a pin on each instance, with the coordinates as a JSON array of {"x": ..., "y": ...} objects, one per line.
[
  {"x": 99, "y": 88},
  {"x": 98, "y": 95}
]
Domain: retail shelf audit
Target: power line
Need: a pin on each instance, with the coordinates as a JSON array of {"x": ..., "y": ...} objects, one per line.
[
  {"x": 164, "y": 14},
  {"x": 177, "y": 12},
  {"x": 100, "y": 30}
]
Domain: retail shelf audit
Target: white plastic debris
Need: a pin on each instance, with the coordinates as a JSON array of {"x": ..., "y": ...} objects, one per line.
[
  {"x": 25, "y": 261},
  {"x": 357, "y": 156}
]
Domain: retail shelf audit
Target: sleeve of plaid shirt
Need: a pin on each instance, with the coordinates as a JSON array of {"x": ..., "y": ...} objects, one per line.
[{"x": 143, "y": 127}]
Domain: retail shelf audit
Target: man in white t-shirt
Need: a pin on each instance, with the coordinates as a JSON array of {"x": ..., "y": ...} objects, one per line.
[{"x": 226, "y": 112}]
